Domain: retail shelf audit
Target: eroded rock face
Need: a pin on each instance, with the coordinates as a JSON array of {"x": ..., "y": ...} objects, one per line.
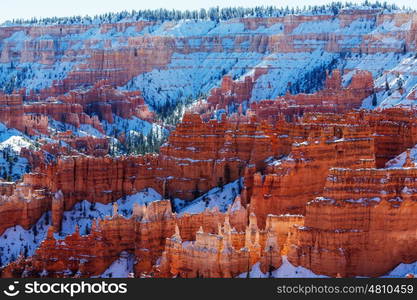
[
  {"x": 362, "y": 214},
  {"x": 197, "y": 157},
  {"x": 234, "y": 92},
  {"x": 394, "y": 136},
  {"x": 104, "y": 101},
  {"x": 94, "y": 146},
  {"x": 101, "y": 179}
]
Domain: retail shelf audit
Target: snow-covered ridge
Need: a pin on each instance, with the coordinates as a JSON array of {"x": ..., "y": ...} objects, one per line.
[{"x": 121, "y": 267}]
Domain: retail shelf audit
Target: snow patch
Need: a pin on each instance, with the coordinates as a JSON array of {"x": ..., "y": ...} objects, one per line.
[{"x": 121, "y": 267}]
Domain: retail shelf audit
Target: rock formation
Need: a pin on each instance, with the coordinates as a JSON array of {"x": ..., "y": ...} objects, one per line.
[
  {"x": 362, "y": 225},
  {"x": 316, "y": 185}
]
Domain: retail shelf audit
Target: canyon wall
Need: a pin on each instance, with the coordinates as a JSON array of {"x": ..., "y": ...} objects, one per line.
[
  {"x": 66, "y": 57},
  {"x": 218, "y": 251},
  {"x": 143, "y": 235}
]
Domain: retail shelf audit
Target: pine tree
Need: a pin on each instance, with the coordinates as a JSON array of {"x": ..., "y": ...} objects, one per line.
[
  {"x": 374, "y": 100},
  {"x": 196, "y": 192}
]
